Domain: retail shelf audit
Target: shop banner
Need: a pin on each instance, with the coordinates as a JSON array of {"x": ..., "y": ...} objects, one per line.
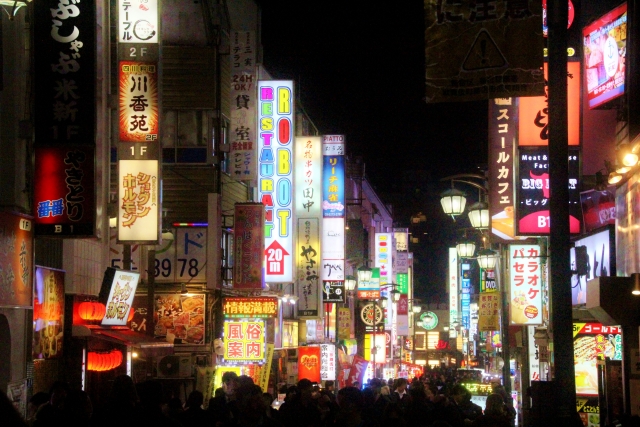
[
  {"x": 250, "y": 307},
  {"x": 598, "y": 208},
  {"x": 307, "y": 268},
  {"x": 375, "y": 347},
  {"x": 453, "y": 285},
  {"x": 139, "y": 201},
  {"x": 593, "y": 342},
  {"x": 48, "y": 313},
  {"x": 248, "y": 246},
  {"x": 138, "y": 21},
  {"x": 327, "y": 362},
  {"x": 534, "y": 356},
  {"x": 486, "y": 52},
  {"x": 120, "y": 300},
  {"x": 489, "y": 310},
  {"x": 383, "y": 257},
  {"x": 63, "y": 195},
  {"x": 344, "y": 323},
  {"x": 243, "y": 160},
  {"x": 357, "y": 371},
  {"x": 488, "y": 280},
  {"x": 139, "y": 109},
  {"x": 309, "y": 364},
  {"x": 370, "y": 289},
  {"x": 265, "y": 370},
  {"x": 179, "y": 318},
  {"x": 333, "y": 291},
  {"x": 333, "y": 176},
  {"x": 16, "y": 261},
  {"x": 525, "y": 301},
  {"x": 503, "y": 122}
]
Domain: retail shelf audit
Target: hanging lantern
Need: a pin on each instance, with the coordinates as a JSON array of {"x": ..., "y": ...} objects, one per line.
[
  {"x": 99, "y": 310},
  {"x": 85, "y": 310},
  {"x": 100, "y": 362},
  {"x": 131, "y": 313}
]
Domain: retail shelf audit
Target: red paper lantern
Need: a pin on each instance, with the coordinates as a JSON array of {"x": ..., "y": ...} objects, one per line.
[
  {"x": 99, "y": 310},
  {"x": 104, "y": 361},
  {"x": 91, "y": 310},
  {"x": 131, "y": 313}
]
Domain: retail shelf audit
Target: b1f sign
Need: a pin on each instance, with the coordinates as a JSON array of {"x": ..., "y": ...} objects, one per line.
[{"x": 275, "y": 150}]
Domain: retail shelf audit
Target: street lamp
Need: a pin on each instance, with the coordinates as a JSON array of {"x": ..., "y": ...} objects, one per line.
[
  {"x": 479, "y": 216},
  {"x": 364, "y": 274},
  {"x": 350, "y": 283},
  {"x": 487, "y": 259},
  {"x": 453, "y": 202},
  {"x": 466, "y": 249},
  {"x": 395, "y": 295}
]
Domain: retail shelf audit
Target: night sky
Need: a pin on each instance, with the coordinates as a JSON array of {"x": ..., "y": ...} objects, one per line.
[{"x": 359, "y": 70}]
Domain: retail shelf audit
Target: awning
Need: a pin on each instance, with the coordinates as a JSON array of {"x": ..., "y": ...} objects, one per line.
[{"x": 125, "y": 336}]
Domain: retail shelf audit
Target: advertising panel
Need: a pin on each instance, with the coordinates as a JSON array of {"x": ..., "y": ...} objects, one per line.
[
  {"x": 333, "y": 177},
  {"x": 532, "y": 197},
  {"x": 244, "y": 341},
  {"x": 375, "y": 347},
  {"x": 593, "y": 342},
  {"x": 138, "y": 105},
  {"x": 383, "y": 257},
  {"x": 357, "y": 371},
  {"x": 370, "y": 289},
  {"x": 453, "y": 285},
  {"x": 308, "y": 177},
  {"x": 48, "y": 313},
  {"x": 63, "y": 195},
  {"x": 344, "y": 323},
  {"x": 307, "y": 268},
  {"x": 598, "y": 208},
  {"x": 118, "y": 306},
  {"x": 534, "y": 355},
  {"x": 64, "y": 73},
  {"x": 503, "y": 122},
  {"x": 525, "y": 300},
  {"x": 489, "y": 310},
  {"x": 250, "y": 307},
  {"x": 248, "y": 246},
  {"x": 180, "y": 318},
  {"x": 591, "y": 257},
  {"x": 139, "y": 200},
  {"x": 465, "y": 295},
  {"x": 16, "y": 261},
  {"x": 604, "y": 50},
  {"x": 275, "y": 175},
  {"x": 182, "y": 259},
  {"x": 627, "y": 217},
  {"x": 243, "y": 160},
  {"x": 475, "y": 53},
  {"x": 327, "y": 362},
  {"x": 309, "y": 363},
  {"x": 533, "y": 112},
  {"x": 138, "y": 21},
  {"x": 333, "y": 291}
]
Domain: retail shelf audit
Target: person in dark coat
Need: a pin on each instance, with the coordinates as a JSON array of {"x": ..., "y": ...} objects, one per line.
[
  {"x": 462, "y": 399},
  {"x": 223, "y": 406},
  {"x": 194, "y": 415},
  {"x": 495, "y": 414},
  {"x": 302, "y": 410}
]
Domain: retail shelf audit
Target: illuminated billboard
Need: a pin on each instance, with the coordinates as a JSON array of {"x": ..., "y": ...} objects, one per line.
[
  {"x": 244, "y": 341},
  {"x": 383, "y": 257},
  {"x": 604, "y": 50},
  {"x": 123, "y": 289},
  {"x": 139, "y": 199},
  {"x": 525, "y": 300},
  {"x": 137, "y": 21},
  {"x": 139, "y": 105},
  {"x": 276, "y": 118}
]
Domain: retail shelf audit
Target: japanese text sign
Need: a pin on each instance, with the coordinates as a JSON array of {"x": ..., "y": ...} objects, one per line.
[
  {"x": 248, "y": 246},
  {"x": 138, "y": 101},
  {"x": 593, "y": 342},
  {"x": 598, "y": 208},
  {"x": 181, "y": 318},
  {"x": 344, "y": 323},
  {"x": 489, "y": 311},
  {"x": 333, "y": 291},
  {"x": 65, "y": 83},
  {"x": 309, "y": 364},
  {"x": 16, "y": 260},
  {"x": 250, "y": 307},
  {"x": 137, "y": 21},
  {"x": 123, "y": 289},
  {"x": 275, "y": 175},
  {"x": 307, "y": 267},
  {"x": 357, "y": 371},
  {"x": 327, "y": 362},
  {"x": 532, "y": 196},
  {"x": 533, "y": 112},
  {"x": 333, "y": 202},
  {"x": 244, "y": 341},
  {"x": 138, "y": 206},
  {"x": 243, "y": 162},
  {"x": 453, "y": 285},
  {"x": 605, "y": 48},
  {"x": 182, "y": 259},
  {"x": 503, "y": 121},
  {"x": 482, "y": 49},
  {"x": 308, "y": 177},
  {"x": 383, "y": 256},
  {"x": 525, "y": 300},
  {"x": 534, "y": 355},
  {"x": 488, "y": 280},
  {"x": 64, "y": 199}
]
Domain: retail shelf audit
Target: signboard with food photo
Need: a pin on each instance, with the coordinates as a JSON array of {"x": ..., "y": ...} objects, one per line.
[
  {"x": 593, "y": 342},
  {"x": 180, "y": 318}
]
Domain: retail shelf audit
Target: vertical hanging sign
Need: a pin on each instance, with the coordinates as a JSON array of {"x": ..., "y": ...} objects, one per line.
[
  {"x": 243, "y": 163},
  {"x": 333, "y": 213},
  {"x": 276, "y": 118},
  {"x": 525, "y": 301},
  {"x": 383, "y": 247},
  {"x": 248, "y": 245},
  {"x": 65, "y": 117},
  {"x": 453, "y": 285},
  {"x": 308, "y": 213},
  {"x": 139, "y": 106}
]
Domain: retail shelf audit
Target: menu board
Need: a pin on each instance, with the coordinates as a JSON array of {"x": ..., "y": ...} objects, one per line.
[
  {"x": 593, "y": 342},
  {"x": 180, "y": 318}
]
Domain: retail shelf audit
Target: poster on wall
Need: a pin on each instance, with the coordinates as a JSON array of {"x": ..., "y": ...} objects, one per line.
[
  {"x": 309, "y": 363},
  {"x": 593, "y": 342},
  {"x": 16, "y": 260},
  {"x": 48, "y": 313},
  {"x": 180, "y": 318},
  {"x": 598, "y": 208},
  {"x": 591, "y": 257}
]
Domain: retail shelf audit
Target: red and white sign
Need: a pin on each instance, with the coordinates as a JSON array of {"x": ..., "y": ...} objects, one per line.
[
  {"x": 309, "y": 364},
  {"x": 249, "y": 245},
  {"x": 525, "y": 301}
]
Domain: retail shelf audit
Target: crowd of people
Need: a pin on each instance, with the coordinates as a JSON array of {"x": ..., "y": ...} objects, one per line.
[{"x": 436, "y": 399}]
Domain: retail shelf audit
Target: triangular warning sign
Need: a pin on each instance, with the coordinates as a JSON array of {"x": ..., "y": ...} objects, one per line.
[{"x": 484, "y": 54}]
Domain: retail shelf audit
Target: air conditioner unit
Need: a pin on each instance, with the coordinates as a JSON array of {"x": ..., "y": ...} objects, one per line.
[{"x": 175, "y": 366}]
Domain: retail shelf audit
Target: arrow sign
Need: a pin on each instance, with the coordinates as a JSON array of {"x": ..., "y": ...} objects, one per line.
[{"x": 275, "y": 254}]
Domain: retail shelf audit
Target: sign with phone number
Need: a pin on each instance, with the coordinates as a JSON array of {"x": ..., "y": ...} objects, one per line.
[{"x": 180, "y": 260}]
